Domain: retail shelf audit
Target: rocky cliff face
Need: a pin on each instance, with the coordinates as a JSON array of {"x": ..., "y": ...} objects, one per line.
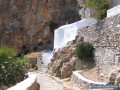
[
  {"x": 113, "y": 3},
  {"x": 29, "y": 24}
]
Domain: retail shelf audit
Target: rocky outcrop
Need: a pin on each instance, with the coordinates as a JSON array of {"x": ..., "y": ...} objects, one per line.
[
  {"x": 29, "y": 24},
  {"x": 114, "y": 77},
  {"x": 113, "y": 3},
  {"x": 68, "y": 67},
  {"x": 84, "y": 12},
  {"x": 63, "y": 62},
  {"x": 87, "y": 12}
]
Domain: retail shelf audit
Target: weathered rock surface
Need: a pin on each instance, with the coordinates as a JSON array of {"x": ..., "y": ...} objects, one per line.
[
  {"x": 30, "y": 23},
  {"x": 113, "y": 3},
  {"x": 63, "y": 62},
  {"x": 114, "y": 77},
  {"x": 68, "y": 67}
]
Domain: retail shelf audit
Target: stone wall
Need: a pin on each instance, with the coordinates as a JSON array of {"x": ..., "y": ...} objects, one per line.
[
  {"x": 39, "y": 61},
  {"x": 80, "y": 83},
  {"x": 105, "y": 36}
]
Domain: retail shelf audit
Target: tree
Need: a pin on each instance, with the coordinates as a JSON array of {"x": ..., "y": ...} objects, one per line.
[{"x": 99, "y": 8}]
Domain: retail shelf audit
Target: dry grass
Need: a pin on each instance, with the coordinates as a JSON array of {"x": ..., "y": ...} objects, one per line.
[{"x": 32, "y": 55}]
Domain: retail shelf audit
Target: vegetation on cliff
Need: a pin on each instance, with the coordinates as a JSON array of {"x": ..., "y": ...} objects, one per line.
[{"x": 99, "y": 8}]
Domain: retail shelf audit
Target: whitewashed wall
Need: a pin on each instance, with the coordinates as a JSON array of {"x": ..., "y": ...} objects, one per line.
[
  {"x": 58, "y": 37},
  {"x": 113, "y": 11},
  {"x": 67, "y": 33},
  {"x": 46, "y": 57},
  {"x": 81, "y": 77},
  {"x": 26, "y": 84}
]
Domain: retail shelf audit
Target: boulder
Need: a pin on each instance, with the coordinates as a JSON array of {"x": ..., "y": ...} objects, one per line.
[
  {"x": 67, "y": 68},
  {"x": 118, "y": 80},
  {"x": 63, "y": 62},
  {"x": 112, "y": 78}
]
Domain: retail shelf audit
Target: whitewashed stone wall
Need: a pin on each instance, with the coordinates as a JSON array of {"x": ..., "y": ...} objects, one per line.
[
  {"x": 113, "y": 11},
  {"x": 28, "y": 84},
  {"x": 82, "y": 82},
  {"x": 46, "y": 57},
  {"x": 68, "y": 32}
]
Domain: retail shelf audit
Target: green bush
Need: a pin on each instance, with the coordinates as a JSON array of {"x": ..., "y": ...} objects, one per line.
[
  {"x": 99, "y": 8},
  {"x": 85, "y": 51},
  {"x": 117, "y": 89},
  {"x": 12, "y": 69}
]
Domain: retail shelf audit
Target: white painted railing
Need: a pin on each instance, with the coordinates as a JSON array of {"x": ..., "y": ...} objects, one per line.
[
  {"x": 68, "y": 32},
  {"x": 113, "y": 11},
  {"x": 77, "y": 73},
  {"x": 25, "y": 85}
]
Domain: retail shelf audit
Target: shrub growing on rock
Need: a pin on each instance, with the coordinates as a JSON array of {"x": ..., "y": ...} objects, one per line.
[
  {"x": 99, "y": 7},
  {"x": 84, "y": 51},
  {"x": 12, "y": 69}
]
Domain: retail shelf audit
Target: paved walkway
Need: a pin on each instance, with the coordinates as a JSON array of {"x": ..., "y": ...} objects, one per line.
[{"x": 46, "y": 82}]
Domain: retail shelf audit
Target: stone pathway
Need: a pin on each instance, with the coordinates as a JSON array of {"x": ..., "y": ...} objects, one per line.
[{"x": 46, "y": 82}]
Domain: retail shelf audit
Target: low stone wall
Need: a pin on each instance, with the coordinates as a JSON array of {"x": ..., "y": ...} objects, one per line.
[
  {"x": 39, "y": 61},
  {"x": 33, "y": 60},
  {"x": 28, "y": 84},
  {"x": 46, "y": 57},
  {"x": 82, "y": 82},
  {"x": 113, "y": 11}
]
